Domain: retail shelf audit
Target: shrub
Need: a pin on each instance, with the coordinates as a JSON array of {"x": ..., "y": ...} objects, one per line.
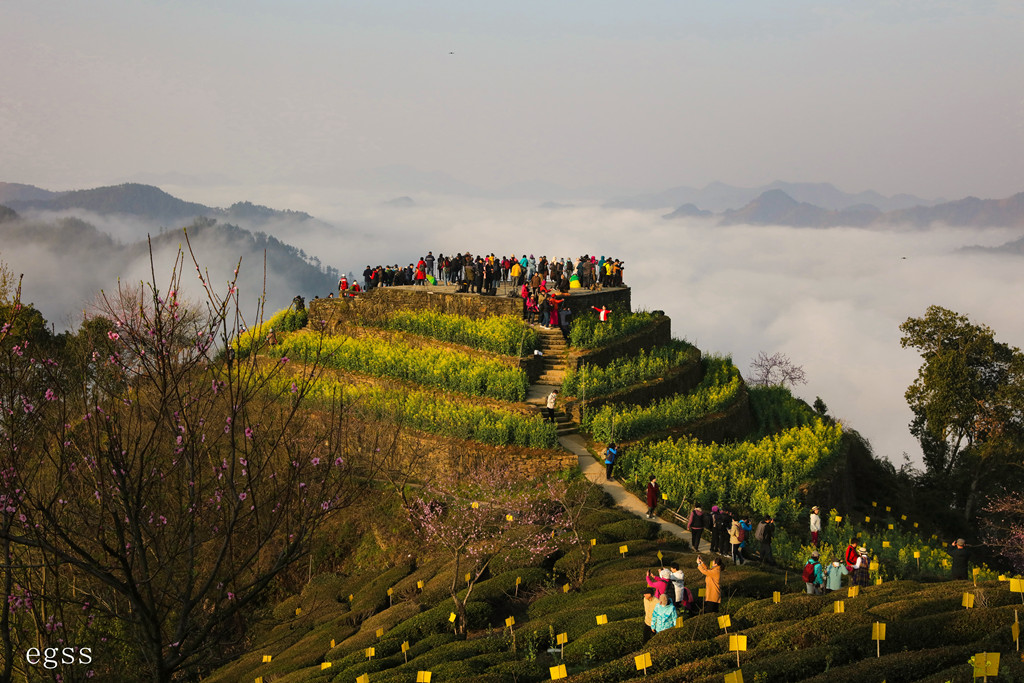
[
  {"x": 603, "y": 643},
  {"x": 596, "y": 380},
  {"x": 589, "y": 333},
  {"x": 629, "y": 529}
]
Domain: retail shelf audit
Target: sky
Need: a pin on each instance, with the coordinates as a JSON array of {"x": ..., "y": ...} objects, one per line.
[
  {"x": 924, "y": 97},
  {"x": 310, "y": 105}
]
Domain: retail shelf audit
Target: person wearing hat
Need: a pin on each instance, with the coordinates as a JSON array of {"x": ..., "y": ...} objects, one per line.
[
  {"x": 861, "y": 570},
  {"x": 960, "y": 556},
  {"x": 815, "y": 526},
  {"x": 812, "y": 575},
  {"x": 834, "y": 573}
]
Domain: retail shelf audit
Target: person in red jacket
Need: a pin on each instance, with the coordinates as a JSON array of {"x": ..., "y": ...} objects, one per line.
[
  {"x": 653, "y": 493},
  {"x": 602, "y": 313}
]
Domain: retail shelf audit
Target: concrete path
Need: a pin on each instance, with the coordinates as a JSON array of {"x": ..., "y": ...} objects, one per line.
[{"x": 594, "y": 471}]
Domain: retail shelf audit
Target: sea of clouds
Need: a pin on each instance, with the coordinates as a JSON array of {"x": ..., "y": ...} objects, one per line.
[{"x": 830, "y": 299}]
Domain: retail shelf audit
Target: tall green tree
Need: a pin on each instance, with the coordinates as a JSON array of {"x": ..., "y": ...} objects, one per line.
[{"x": 968, "y": 405}]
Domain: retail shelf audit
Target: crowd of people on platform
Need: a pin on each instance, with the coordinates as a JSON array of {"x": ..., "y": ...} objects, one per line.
[{"x": 482, "y": 274}]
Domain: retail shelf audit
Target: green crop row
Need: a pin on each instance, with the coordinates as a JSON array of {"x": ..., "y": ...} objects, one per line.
[
  {"x": 428, "y": 411},
  {"x": 435, "y": 367},
  {"x": 505, "y": 334},
  {"x": 282, "y": 322},
  {"x": 593, "y": 381},
  {"x": 720, "y": 388},
  {"x": 763, "y": 476},
  {"x": 590, "y": 333}
]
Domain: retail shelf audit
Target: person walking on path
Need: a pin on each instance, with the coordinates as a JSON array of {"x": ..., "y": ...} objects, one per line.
[
  {"x": 815, "y": 526},
  {"x": 664, "y": 615},
  {"x": 812, "y": 574},
  {"x": 767, "y": 529},
  {"x": 609, "y": 460},
  {"x": 695, "y": 523},
  {"x": 960, "y": 556},
  {"x": 736, "y": 537},
  {"x": 712, "y": 583},
  {"x": 653, "y": 493},
  {"x": 552, "y": 398}
]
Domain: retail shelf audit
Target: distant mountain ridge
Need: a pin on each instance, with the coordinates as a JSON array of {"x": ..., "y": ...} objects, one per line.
[
  {"x": 775, "y": 207},
  {"x": 719, "y": 197},
  {"x": 134, "y": 199}
]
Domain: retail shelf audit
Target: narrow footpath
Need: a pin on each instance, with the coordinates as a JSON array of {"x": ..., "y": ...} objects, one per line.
[{"x": 555, "y": 354}]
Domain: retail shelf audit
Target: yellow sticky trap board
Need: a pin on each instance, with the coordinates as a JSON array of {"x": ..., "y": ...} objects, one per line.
[
  {"x": 561, "y": 639},
  {"x": 391, "y": 591},
  {"x": 874, "y": 503},
  {"x": 917, "y": 554},
  {"x": 885, "y": 544},
  {"x": 839, "y": 518},
  {"x": 419, "y": 584},
  {"x": 452, "y": 617},
  {"x": 878, "y": 581},
  {"x": 565, "y": 588},
  {"x": 878, "y": 631},
  {"x": 724, "y": 621},
  {"x": 643, "y": 661},
  {"x": 469, "y": 575},
  {"x": 660, "y": 556},
  {"x": 737, "y": 643},
  {"x": 259, "y": 679},
  {"x": 267, "y": 659},
  {"x": 986, "y": 664},
  {"x": 734, "y": 677},
  {"x": 423, "y": 676},
  {"x": 593, "y": 541},
  {"x": 903, "y": 517},
  {"x": 509, "y": 518},
  {"x": 777, "y": 597},
  {"x": 891, "y": 527},
  {"x": 365, "y": 678},
  {"x": 977, "y": 570},
  {"x": 888, "y": 509},
  {"x": 325, "y": 665},
  {"x": 872, "y": 566},
  {"x": 867, "y": 519},
  {"x": 679, "y": 621},
  {"x": 839, "y": 607},
  {"x": 380, "y": 633},
  {"x": 1015, "y": 630},
  {"x": 519, "y": 580},
  {"x": 371, "y": 652},
  {"x": 510, "y": 622},
  {"x": 557, "y": 672},
  {"x": 475, "y": 505},
  {"x": 1017, "y": 585},
  {"x": 1002, "y": 577},
  {"x": 405, "y": 646},
  {"x": 602, "y": 619},
  {"x": 700, "y": 593},
  {"x": 853, "y": 591},
  {"x": 623, "y": 549},
  {"x": 915, "y": 525},
  {"x": 333, "y": 645},
  {"x": 298, "y": 611},
  {"x": 664, "y": 496},
  {"x": 968, "y": 600},
  {"x": 351, "y": 597}
]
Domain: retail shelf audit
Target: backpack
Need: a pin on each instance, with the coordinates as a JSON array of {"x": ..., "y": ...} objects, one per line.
[
  {"x": 759, "y": 532},
  {"x": 808, "y": 574},
  {"x": 741, "y": 535}
]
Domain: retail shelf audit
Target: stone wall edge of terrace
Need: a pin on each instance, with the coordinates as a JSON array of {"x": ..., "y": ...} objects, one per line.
[{"x": 658, "y": 333}]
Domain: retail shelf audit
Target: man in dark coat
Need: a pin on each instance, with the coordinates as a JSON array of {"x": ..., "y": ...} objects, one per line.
[{"x": 960, "y": 555}]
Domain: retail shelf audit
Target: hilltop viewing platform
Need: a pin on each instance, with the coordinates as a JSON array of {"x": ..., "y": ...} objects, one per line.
[{"x": 447, "y": 299}]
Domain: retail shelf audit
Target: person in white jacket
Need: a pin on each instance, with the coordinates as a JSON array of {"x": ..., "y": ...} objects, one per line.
[{"x": 815, "y": 526}]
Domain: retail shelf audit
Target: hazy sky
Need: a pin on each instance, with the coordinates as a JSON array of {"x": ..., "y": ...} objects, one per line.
[{"x": 912, "y": 96}]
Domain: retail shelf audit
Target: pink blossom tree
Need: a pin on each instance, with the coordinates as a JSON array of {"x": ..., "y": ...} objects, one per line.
[
  {"x": 485, "y": 515},
  {"x": 164, "y": 480}
]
